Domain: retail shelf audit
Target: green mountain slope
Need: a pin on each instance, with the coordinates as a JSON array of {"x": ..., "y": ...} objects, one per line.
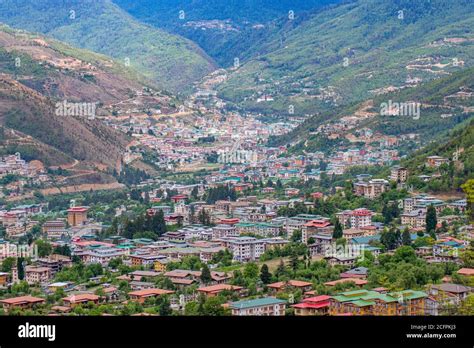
[
  {"x": 444, "y": 103},
  {"x": 60, "y": 71},
  {"x": 460, "y": 140},
  {"x": 349, "y": 52},
  {"x": 101, "y": 26},
  {"x": 224, "y": 29}
]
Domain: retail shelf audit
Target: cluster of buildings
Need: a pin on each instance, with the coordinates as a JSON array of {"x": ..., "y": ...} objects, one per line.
[
  {"x": 21, "y": 174},
  {"x": 434, "y": 300}
]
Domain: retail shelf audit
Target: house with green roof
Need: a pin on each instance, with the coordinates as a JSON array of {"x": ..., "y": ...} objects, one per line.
[
  {"x": 371, "y": 302},
  {"x": 266, "y": 306}
]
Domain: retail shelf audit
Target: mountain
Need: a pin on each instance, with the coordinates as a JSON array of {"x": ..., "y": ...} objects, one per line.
[
  {"x": 224, "y": 29},
  {"x": 32, "y": 127},
  {"x": 37, "y": 73},
  {"x": 459, "y": 140},
  {"x": 444, "y": 103},
  {"x": 60, "y": 71},
  {"x": 352, "y": 51},
  {"x": 238, "y": 11},
  {"x": 101, "y": 26}
]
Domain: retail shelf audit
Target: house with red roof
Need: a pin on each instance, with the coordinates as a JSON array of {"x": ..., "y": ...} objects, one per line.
[
  {"x": 179, "y": 199},
  {"x": 215, "y": 290},
  {"x": 318, "y": 305},
  {"x": 21, "y": 302},
  {"x": 140, "y": 296},
  {"x": 290, "y": 285},
  {"x": 79, "y": 299},
  {"x": 317, "y": 195},
  {"x": 316, "y": 226},
  {"x": 466, "y": 272}
]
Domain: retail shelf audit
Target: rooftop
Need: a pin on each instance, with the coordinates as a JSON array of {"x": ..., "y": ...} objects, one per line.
[{"x": 265, "y": 301}]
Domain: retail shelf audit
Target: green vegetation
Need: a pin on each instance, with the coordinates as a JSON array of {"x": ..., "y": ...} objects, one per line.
[
  {"x": 454, "y": 174},
  {"x": 300, "y": 64},
  {"x": 224, "y": 45},
  {"x": 103, "y": 27}
]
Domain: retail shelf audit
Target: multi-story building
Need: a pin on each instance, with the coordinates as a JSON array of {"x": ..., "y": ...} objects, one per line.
[
  {"x": 436, "y": 161},
  {"x": 4, "y": 278},
  {"x": 357, "y": 218},
  {"x": 80, "y": 299},
  {"x": 22, "y": 302},
  {"x": 101, "y": 255},
  {"x": 54, "y": 229},
  {"x": 317, "y": 226},
  {"x": 399, "y": 174},
  {"x": 371, "y": 189},
  {"x": 322, "y": 243},
  {"x": 77, "y": 215},
  {"x": 37, "y": 275},
  {"x": 140, "y": 296},
  {"x": 267, "y": 306},
  {"x": 415, "y": 218},
  {"x": 145, "y": 260},
  {"x": 318, "y": 305},
  {"x": 244, "y": 249},
  {"x": 55, "y": 262},
  {"x": 260, "y": 228},
  {"x": 222, "y": 231}
]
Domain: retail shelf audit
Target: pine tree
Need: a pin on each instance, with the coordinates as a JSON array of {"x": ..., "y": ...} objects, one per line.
[
  {"x": 294, "y": 261},
  {"x": 165, "y": 307},
  {"x": 206, "y": 274},
  {"x": 204, "y": 218},
  {"x": 20, "y": 268},
  {"x": 337, "y": 233},
  {"x": 265, "y": 275},
  {"x": 195, "y": 192},
  {"x": 406, "y": 238},
  {"x": 431, "y": 220},
  {"x": 281, "y": 270},
  {"x": 158, "y": 223}
]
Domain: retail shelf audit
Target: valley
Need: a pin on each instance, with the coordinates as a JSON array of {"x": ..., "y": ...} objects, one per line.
[{"x": 236, "y": 158}]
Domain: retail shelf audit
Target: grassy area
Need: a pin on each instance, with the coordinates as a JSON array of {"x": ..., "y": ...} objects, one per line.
[{"x": 272, "y": 264}]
